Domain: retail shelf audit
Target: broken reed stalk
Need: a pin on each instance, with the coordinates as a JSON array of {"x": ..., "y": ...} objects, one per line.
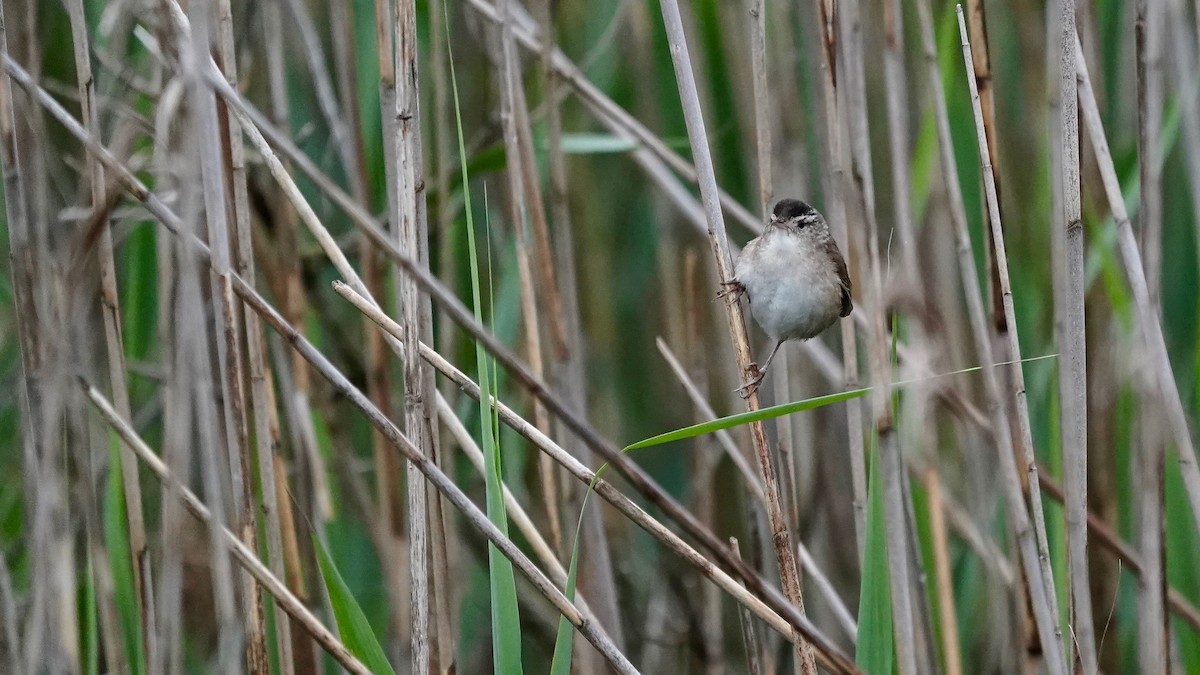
[
  {"x": 749, "y": 632},
  {"x": 694, "y": 118},
  {"x": 244, "y": 556},
  {"x": 1034, "y": 557}
]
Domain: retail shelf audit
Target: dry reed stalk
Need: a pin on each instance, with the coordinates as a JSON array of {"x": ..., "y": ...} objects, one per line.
[
  {"x": 753, "y": 482},
  {"x": 908, "y": 610},
  {"x": 596, "y": 568},
  {"x": 194, "y": 48},
  {"x": 196, "y": 424},
  {"x": 690, "y": 100},
  {"x": 227, "y": 540},
  {"x": 403, "y": 213},
  {"x": 110, "y": 310},
  {"x": 388, "y": 476},
  {"x": 981, "y": 72},
  {"x": 749, "y": 632},
  {"x": 1152, "y": 640},
  {"x": 1154, "y": 633},
  {"x": 298, "y": 396},
  {"x": 764, "y": 154},
  {"x": 234, "y": 157},
  {"x": 22, "y": 216},
  {"x": 567, "y": 368},
  {"x": 1148, "y": 44},
  {"x": 1034, "y": 557},
  {"x": 388, "y": 533},
  {"x": 951, "y": 656},
  {"x": 836, "y": 208},
  {"x": 617, "y": 499},
  {"x": 1083, "y": 630},
  {"x": 279, "y": 526},
  {"x": 1073, "y": 364},
  {"x": 1148, "y": 320},
  {"x": 164, "y": 643},
  {"x": 898, "y": 138}
]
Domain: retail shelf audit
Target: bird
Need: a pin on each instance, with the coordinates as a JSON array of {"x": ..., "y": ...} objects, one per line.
[{"x": 794, "y": 277}]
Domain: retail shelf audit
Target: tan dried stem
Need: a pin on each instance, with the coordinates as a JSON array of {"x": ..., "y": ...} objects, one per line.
[
  {"x": 1034, "y": 558},
  {"x": 1076, "y": 464},
  {"x": 710, "y": 197}
]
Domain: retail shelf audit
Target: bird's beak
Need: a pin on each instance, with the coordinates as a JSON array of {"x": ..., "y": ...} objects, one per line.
[{"x": 774, "y": 220}]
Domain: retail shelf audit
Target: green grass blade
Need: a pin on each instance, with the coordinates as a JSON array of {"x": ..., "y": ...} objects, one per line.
[
  {"x": 116, "y": 542},
  {"x": 748, "y": 417},
  {"x": 352, "y": 624},
  {"x": 787, "y": 409},
  {"x": 565, "y": 639},
  {"x": 505, "y": 612},
  {"x": 875, "y": 649}
]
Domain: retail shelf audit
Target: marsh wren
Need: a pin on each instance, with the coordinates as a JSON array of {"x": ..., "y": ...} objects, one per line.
[{"x": 794, "y": 277}]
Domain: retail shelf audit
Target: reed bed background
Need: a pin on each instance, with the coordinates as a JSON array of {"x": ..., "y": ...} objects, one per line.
[{"x": 266, "y": 258}]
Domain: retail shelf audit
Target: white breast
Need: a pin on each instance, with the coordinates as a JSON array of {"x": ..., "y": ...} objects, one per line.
[{"x": 793, "y": 287}]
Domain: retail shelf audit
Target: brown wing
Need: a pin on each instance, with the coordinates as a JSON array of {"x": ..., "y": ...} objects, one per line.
[{"x": 839, "y": 263}]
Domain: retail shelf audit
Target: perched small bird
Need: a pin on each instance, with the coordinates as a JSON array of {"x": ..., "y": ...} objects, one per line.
[{"x": 794, "y": 277}]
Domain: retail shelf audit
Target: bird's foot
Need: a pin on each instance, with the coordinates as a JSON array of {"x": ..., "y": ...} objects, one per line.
[
  {"x": 731, "y": 289},
  {"x": 747, "y": 390}
]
